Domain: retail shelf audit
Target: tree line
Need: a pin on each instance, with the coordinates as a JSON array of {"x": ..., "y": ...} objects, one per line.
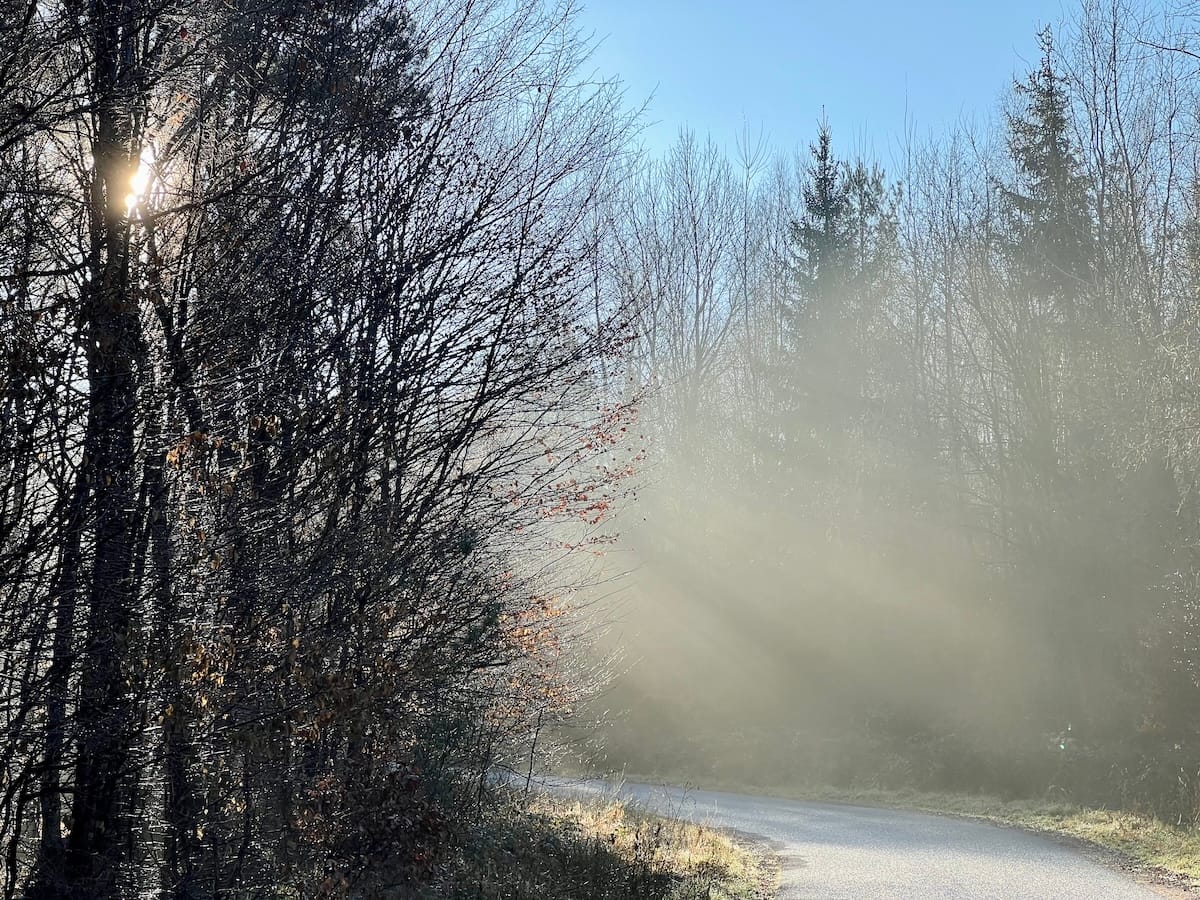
[
  {"x": 923, "y": 486},
  {"x": 302, "y": 402}
]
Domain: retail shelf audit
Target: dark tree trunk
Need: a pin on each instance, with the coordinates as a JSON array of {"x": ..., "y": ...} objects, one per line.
[
  {"x": 99, "y": 828},
  {"x": 65, "y": 592}
]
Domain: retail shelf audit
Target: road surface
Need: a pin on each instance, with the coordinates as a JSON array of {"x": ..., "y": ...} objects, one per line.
[{"x": 859, "y": 853}]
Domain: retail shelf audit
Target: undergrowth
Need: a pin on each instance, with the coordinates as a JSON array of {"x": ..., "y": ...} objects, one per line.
[{"x": 559, "y": 849}]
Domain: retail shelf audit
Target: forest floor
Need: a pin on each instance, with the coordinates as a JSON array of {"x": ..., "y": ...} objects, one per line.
[
  {"x": 554, "y": 848},
  {"x": 1157, "y": 851}
]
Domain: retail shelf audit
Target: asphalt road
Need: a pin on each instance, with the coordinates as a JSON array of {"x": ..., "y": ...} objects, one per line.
[{"x": 859, "y": 853}]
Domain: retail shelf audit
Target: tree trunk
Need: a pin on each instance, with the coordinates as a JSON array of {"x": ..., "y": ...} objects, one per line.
[{"x": 99, "y": 828}]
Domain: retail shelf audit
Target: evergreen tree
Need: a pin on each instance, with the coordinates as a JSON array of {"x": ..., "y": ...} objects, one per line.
[
  {"x": 1050, "y": 206},
  {"x": 843, "y": 244},
  {"x": 821, "y": 232}
]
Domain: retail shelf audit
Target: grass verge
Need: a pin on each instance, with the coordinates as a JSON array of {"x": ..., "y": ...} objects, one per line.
[{"x": 556, "y": 848}]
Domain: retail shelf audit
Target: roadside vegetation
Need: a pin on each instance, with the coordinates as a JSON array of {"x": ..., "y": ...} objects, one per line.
[
  {"x": 303, "y": 424},
  {"x": 552, "y": 848}
]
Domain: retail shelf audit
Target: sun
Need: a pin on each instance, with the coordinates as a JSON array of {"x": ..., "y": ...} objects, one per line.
[{"x": 141, "y": 182}]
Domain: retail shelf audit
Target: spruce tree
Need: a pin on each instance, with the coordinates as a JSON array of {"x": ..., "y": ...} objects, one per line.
[
  {"x": 820, "y": 233},
  {"x": 842, "y": 242},
  {"x": 1050, "y": 206}
]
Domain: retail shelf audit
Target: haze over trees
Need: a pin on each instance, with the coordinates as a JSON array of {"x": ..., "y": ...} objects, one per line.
[{"x": 923, "y": 479}]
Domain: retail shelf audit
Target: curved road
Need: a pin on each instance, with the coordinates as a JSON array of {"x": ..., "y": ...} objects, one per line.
[{"x": 857, "y": 853}]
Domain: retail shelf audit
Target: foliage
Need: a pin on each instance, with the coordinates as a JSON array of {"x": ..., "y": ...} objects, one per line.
[{"x": 302, "y": 410}]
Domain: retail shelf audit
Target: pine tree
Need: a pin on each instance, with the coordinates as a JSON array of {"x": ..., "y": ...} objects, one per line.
[
  {"x": 1050, "y": 205},
  {"x": 843, "y": 242},
  {"x": 820, "y": 233}
]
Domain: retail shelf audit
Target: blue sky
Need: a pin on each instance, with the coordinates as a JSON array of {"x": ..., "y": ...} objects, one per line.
[{"x": 712, "y": 63}]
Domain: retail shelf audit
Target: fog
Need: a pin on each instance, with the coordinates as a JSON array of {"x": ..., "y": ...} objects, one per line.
[{"x": 919, "y": 501}]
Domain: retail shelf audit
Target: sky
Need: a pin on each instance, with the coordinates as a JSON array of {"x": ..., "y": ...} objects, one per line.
[{"x": 874, "y": 67}]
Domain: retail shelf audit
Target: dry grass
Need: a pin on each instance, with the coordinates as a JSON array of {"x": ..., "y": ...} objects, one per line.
[
  {"x": 563, "y": 848},
  {"x": 702, "y": 861}
]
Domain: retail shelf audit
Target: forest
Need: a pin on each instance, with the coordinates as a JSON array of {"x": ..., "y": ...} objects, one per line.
[
  {"x": 378, "y": 415},
  {"x": 303, "y": 400},
  {"x": 921, "y": 501}
]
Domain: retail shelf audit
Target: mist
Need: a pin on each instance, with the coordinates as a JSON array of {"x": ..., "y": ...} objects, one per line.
[{"x": 919, "y": 502}]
